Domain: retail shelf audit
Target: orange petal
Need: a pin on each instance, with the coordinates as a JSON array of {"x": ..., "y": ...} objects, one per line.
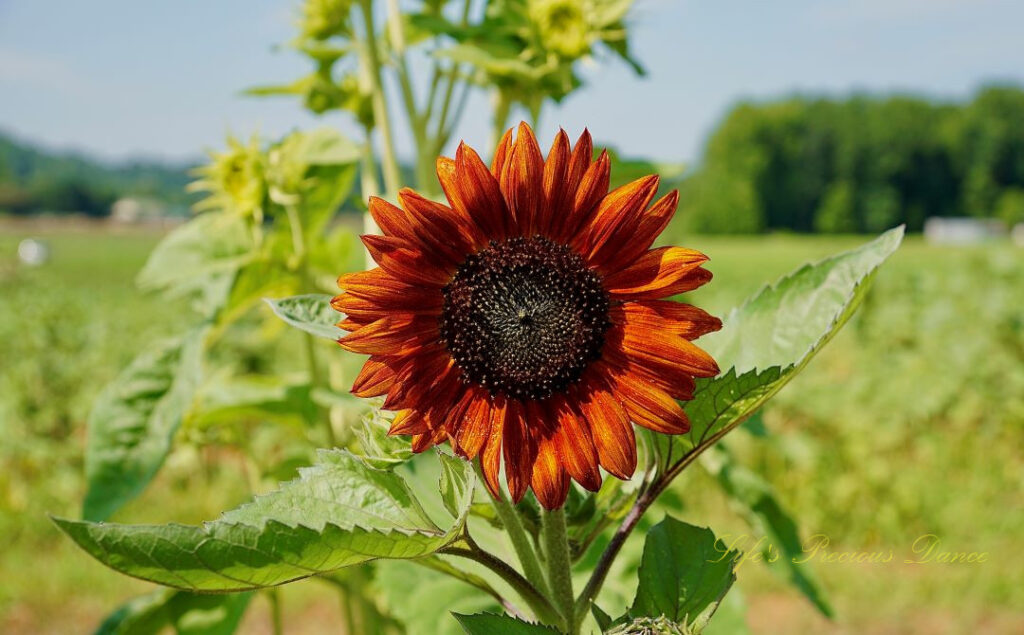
[
  {"x": 490, "y": 458},
  {"x": 420, "y": 379},
  {"x": 576, "y": 448},
  {"x": 376, "y": 377},
  {"x": 391, "y": 335},
  {"x": 549, "y": 481},
  {"x": 405, "y": 263},
  {"x": 684, "y": 320},
  {"x": 501, "y": 153},
  {"x": 408, "y": 422},
  {"x": 664, "y": 349},
  {"x": 593, "y": 187},
  {"x": 613, "y": 223},
  {"x": 651, "y": 223},
  {"x": 611, "y": 431},
  {"x": 557, "y": 192},
  {"x": 519, "y": 448},
  {"x": 448, "y": 231},
  {"x": 474, "y": 429},
  {"x": 522, "y": 180},
  {"x": 659, "y": 273},
  {"x": 422, "y": 442},
  {"x": 646, "y": 405},
  {"x": 474, "y": 192}
]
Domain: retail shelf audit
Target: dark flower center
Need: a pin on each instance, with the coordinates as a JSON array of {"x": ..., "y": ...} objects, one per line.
[{"x": 524, "y": 317}]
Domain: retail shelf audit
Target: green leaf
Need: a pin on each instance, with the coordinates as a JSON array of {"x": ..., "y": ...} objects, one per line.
[
  {"x": 199, "y": 260},
  {"x": 328, "y": 187},
  {"x": 133, "y": 422},
  {"x": 769, "y": 339},
  {"x": 758, "y": 504},
  {"x": 142, "y": 615},
  {"x": 489, "y": 624},
  {"x": 229, "y": 399},
  {"x": 378, "y": 448},
  {"x": 423, "y": 599},
  {"x": 311, "y": 313},
  {"x": 453, "y": 483},
  {"x": 188, "y": 613},
  {"x": 338, "y": 513},
  {"x": 785, "y": 324},
  {"x": 685, "y": 572}
]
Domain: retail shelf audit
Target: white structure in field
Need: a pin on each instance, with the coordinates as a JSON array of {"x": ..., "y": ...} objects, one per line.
[{"x": 962, "y": 231}]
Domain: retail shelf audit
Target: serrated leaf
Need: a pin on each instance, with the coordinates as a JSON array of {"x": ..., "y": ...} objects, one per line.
[
  {"x": 758, "y": 504},
  {"x": 784, "y": 324},
  {"x": 134, "y": 420},
  {"x": 685, "y": 572},
  {"x": 311, "y": 313},
  {"x": 490, "y": 624},
  {"x": 338, "y": 513},
  {"x": 188, "y": 613},
  {"x": 770, "y": 338}
]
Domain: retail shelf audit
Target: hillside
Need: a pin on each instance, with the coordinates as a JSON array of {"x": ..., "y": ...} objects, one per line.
[{"x": 33, "y": 180}]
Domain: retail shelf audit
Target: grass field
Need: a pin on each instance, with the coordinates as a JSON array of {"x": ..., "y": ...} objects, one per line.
[{"x": 908, "y": 424}]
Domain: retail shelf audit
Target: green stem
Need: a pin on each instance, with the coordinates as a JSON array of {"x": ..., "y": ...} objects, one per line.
[
  {"x": 538, "y": 602},
  {"x": 502, "y": 106},
  {"x": 521, "y": 543},
  {"x": 392, "y": 174},
  {"x": 556, "y": 548},
  {"x": 309, "y": 342},
  {"x": 274, "y": 596}
]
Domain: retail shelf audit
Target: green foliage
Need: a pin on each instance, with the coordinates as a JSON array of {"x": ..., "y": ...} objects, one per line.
[
  {"x": 311, "y": 313},
  {"x": 491, "y": 624},
  {"x": 857, "y": 165},
  {"x": 187, "y": 613},
  {"x": 757, "y": 502},
  {"x": 199, "y": 260},
  {"x": 770, "y": 338},
  {"x": 134, "y": 420},
  {"x": 339, "y": 513},
  {"x": 684, "y": 574}
]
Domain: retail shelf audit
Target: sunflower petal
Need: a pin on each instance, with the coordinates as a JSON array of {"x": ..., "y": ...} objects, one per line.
[
  {"x": 612, "y": 225},
  {"x": 659, "y": 273},
  {"x": 549, "y": 480},
  {"x": 519, "y": 448},
  {"x": 522, "y": 181},
  {"x": 611, "y": 431},
  {"x": 575, "y": 447}
]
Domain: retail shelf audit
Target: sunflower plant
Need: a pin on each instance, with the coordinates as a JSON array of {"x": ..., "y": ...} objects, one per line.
[
  {"x": 482, "y": 431},
  {"x": 533, "y": 392}
]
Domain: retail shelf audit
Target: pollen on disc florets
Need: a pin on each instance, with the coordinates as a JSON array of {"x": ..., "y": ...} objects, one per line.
[{"x": 524, "y": 317}]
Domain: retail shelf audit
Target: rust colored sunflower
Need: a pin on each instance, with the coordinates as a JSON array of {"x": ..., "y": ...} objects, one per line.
[{"x": 525, "y": 321}]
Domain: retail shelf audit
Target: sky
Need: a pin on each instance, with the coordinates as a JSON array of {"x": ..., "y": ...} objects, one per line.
[{"x": 162, "y": 79}]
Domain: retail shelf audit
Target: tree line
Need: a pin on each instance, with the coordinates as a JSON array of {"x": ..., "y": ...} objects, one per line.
[
  {"x": 34, "y": 181},
  {"x": 860, "y": 164}
]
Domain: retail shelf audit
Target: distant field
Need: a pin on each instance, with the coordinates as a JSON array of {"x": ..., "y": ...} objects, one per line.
[{"x": 908, "y": 424}]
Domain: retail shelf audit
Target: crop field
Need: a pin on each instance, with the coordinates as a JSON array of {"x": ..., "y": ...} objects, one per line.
[{"x": 907, "y": 440}]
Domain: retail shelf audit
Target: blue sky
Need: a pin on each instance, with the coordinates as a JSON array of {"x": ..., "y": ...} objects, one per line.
[{"x": 161, "y": 78}]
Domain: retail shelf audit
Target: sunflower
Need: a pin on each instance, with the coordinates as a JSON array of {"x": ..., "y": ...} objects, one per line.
[{"x": 525, "y": 322}]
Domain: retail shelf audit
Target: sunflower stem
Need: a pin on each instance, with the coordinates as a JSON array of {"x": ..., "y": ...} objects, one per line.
[
  {"x": 502, "y": 106},
  {"x": 513, "y": 525},
  {"x": 556, "y": 549},
  {"x": 392, "y": 174}
]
